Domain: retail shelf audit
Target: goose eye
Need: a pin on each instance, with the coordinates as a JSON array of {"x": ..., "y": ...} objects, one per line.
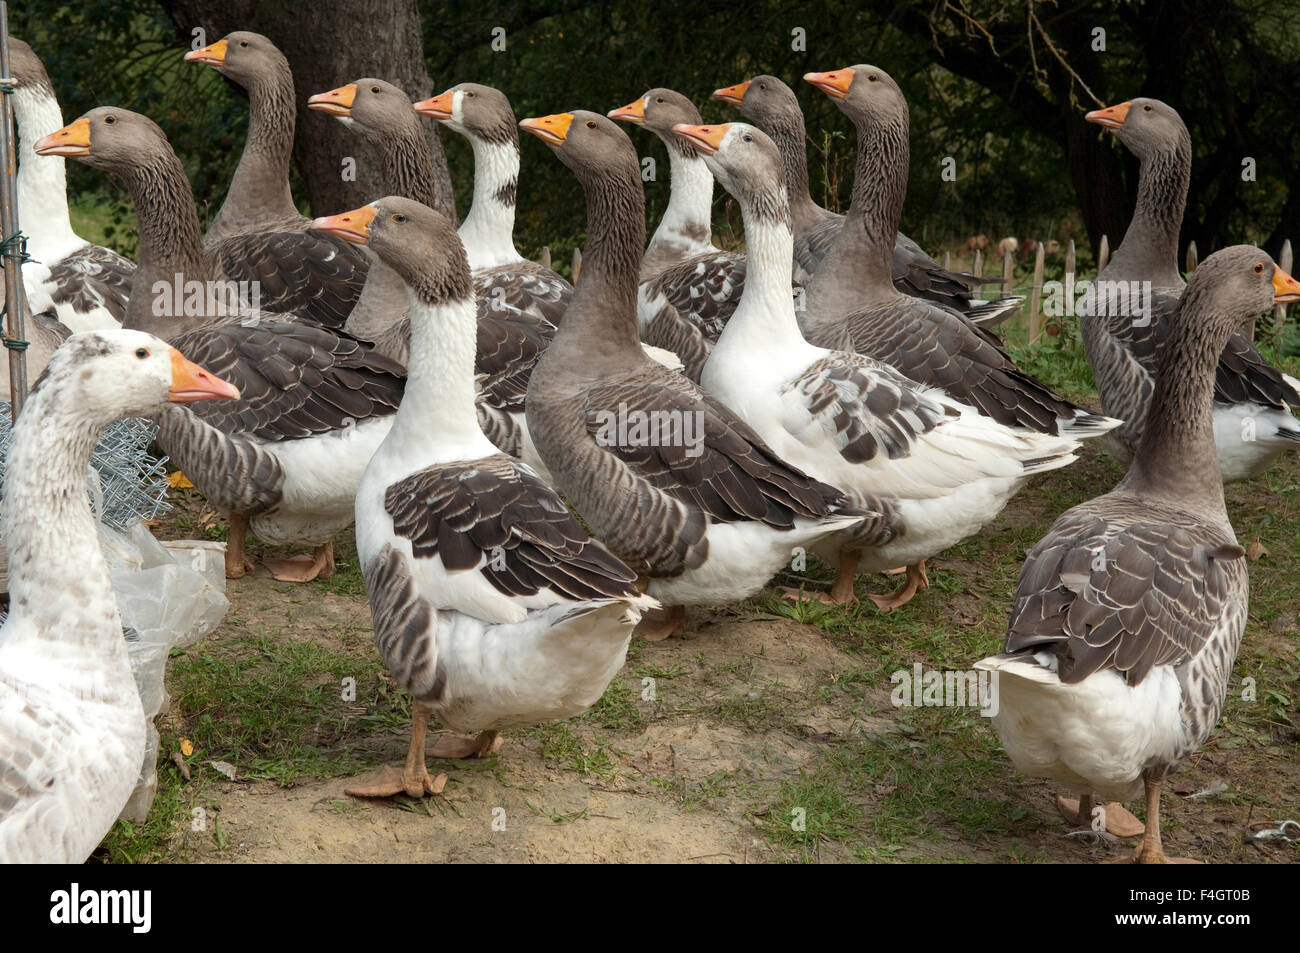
[
  {"x": 470, "y": 93},
  {"x": 1259, "y": 269},
  {"x": 873, "y": 78},
  {"x": 110, "y": 120},
  {"x": 399, "y": 218},
  {"x": 762, "y": 85},
  {"x": 659, "y": 99},
  {"x": 1146, "y": 109},
  {"x": 243, "y": 43},
  {"x": 374, "y": 89},
  {"x": 142, "y": 352},
  {"x": 591, "y": 124},
  {"x": 747, "y": 138}
]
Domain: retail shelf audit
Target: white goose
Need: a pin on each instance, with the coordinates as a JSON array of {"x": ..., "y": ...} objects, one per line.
[
  {"x": 85, "y": 285},
  {"x": 845, "y": 418},
  {"x": 72, "y": 732},
  {"x": 491, "y": 605}
]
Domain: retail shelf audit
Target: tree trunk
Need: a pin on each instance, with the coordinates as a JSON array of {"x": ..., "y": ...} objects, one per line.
[{"x": 328, "y": 45}]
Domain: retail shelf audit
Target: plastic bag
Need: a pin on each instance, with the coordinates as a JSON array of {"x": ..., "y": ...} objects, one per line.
[{"x": 170, "y": 595}]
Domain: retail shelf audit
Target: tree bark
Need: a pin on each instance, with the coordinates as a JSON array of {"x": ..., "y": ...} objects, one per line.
[{"x": 328, "y": 45}]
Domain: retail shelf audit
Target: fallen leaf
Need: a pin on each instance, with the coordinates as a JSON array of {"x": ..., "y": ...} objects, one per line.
[
  {"x": 179, "y": 481},
  {"x": 1256, "y": 550},
  {"x": 179, "y": 761},
  {"x": 187, "y": 747},
  {"x": 224, "y": 767}
]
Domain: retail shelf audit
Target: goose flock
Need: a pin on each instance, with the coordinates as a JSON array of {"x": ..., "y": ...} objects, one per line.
[{"x": 539, "y": 472}]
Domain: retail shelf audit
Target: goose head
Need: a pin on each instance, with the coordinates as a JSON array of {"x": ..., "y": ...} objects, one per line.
[
  {"x": 863, "y": 92},
  {"x": 1234, "y": 285},
  {"x": 242, "y": 56},
  {"x": 1145, "y": 126},
  {"x": 764, "y": 99},
  {"x": 474, "y": 111},
  {"x": 374, "y": 107},
  {"x": 745, "y": 161},
  {"x": 587, "y": 142},
  {"x": 418, "y": 243},
  {"x": 27, "y": 69},
  {"x": 123, "y": 373},
  {"x": 659, "y": 111},
  {"x": 105, "y": 138}
]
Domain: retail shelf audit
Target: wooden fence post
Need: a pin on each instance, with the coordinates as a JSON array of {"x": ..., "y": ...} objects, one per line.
[
  {"x": 545, "y": 259},
  {"x": 977, "y": 266},
  {"x": 1191, "y": 257},
  {"x": 1008, "y": 271},
  {"x": 1036, "y": 298},
  {"x": 577, "y": 264},
  {"x": 1103, "y": 254},
  {"x": 1284, "y": 261}
]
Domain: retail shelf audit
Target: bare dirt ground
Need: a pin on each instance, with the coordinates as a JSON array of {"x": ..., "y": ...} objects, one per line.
[{"x": 708, "y": 749}]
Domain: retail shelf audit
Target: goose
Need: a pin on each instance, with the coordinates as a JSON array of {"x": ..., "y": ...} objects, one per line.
[
  {"x": 846, "y": 419},
  {"x": 771, "y": 105},
  {"x": 851, "y": 303},
  {"x": 72, "y": 730},
  {"x": 689, "y": 288},
  {"x": 491, "y": 605},
  {"x": 673, "y": 482},
  {"x": 1253, "y": 423},
  {"x": 286, "y": 458},
  {"x": 85, "y": 286},
  {"x": 1129, "y": 613},
  {"x": 258, "y": 234}
]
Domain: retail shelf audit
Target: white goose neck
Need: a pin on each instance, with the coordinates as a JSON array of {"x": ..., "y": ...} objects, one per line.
[
  {"x": 437, "y": 413},
  {"x": 42, "y": 180},
  {"x": 58, "y": 580},
  {"x": 765, "y": 318},
  {"x": 685, "y": 228},
  {"x": 488, "y": 229}
]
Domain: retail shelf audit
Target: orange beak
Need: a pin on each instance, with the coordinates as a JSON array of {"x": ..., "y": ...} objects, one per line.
[
  {"x": 191, "y": 382},
  {"x": 1112, "y": 117},
  {"x": 732, "y": 95},
  {"x": 834, "y": 84},
  {"x": 337, "y": 102},
  {"x": 214, "y": 54},
  {"x": 439, "y": 107},
  {"x": 706, "y": 139},
  {"x": 1285, "y": 288},
  {"x": 633, "y": 112},
  {"x": 552, "y": 129},
  {"x": 72, "y": 140},
  {"x": 353, "y": 226}
]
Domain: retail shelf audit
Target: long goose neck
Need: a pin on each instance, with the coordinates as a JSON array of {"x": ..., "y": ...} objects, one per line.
[
  {"x": 791, "y": 141},
  {"x": 1177, "y": 458},
  {"x": 438, "y": 405},
  {"x": 169, "y": 242},
  {"x": 765, "y": 317},
  {"x": 600, "y": 322},
  {"x": 1150, "y": 245},
  {"x": 857, "y": 270},
  {"x": 42, "y": 180},
  {"x": 408, "y": 166},
  {"x": 48, "y": 527},
  {"x": 685, "y": 226},
  {"x": 259, "y": 189},
  {"x": 488, "y": 229}
]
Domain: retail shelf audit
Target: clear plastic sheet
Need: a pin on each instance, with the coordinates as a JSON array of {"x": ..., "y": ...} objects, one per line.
[{"x": 170, "y": 595}]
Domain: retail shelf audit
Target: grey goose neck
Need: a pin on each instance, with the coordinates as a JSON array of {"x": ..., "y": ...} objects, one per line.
[
  {"x": 787, "y": 131},
  {"x": 858, "y": 269},
  {"x": 408, "y": 167},
  {"x": 1176, "y": 458},
  {"x": 599, "y": 326},
  {"x": 169, "y": 239},
  {"x": 259, "y": 191},
  {"x": 1149, "y": 251}
]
